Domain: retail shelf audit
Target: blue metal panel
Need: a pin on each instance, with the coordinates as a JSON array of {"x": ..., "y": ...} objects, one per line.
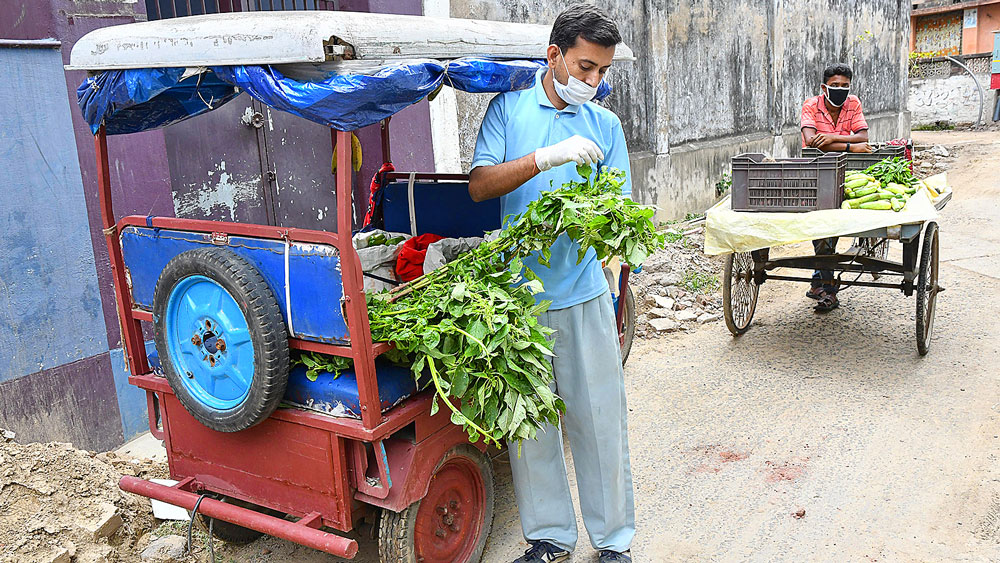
[
  {"x": 339, "y": 396},
  {"x": 50, "y": 307},
  {"x": 131, "y": 399},
  {"x": 444, "y": 209},
  {"x": 316, "y": 285}
]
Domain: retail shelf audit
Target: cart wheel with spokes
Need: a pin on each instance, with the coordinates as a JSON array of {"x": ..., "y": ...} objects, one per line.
[
  {"x": 873, "y": 247},
  {"x": 927, "y": 287},
  {"x": 221, "y": 338},
  {"x": 628, "y": 324},
  {"x": 739, "y": 292},
  {"x": 451, "y": 523}
]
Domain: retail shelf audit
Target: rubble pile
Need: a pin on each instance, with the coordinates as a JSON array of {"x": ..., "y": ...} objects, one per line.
[
  {"x": 60, "y": 504},
  {"x": 679, "y": 287}
]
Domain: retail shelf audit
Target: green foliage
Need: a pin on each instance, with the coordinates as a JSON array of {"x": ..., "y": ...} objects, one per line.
[
  {"x": 892, "y": 170},
  {"x": 470, "y": 329},
  {"x": 317, "y": 363},
  {"x": 724, "y": 184},
  {"x": 673, "y": 236},
  {"x": 936, "y": 126},
  {"x": 699, "y": 282}
]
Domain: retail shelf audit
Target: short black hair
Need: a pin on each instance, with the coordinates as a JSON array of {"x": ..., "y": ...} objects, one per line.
[
  {"x": 587, "y": 21},
  {"x": 840, "y": 69}
]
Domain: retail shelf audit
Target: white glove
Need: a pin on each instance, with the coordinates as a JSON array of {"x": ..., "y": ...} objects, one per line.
[{"x": 580, "y": 150}]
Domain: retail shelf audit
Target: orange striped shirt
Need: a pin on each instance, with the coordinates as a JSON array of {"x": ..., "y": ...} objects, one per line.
[{"x": 850, "y": 121}]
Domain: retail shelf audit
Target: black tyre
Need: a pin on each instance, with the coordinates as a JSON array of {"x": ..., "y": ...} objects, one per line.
[
  {"x": 452, "y": 522},
  {"x": 739, "y": 292},
  {"x": 927, "y": 288},
  {"x": 628, "y": 324},
  {"x": 221, "y": 338},
  {"x": 231, "y": 533}
]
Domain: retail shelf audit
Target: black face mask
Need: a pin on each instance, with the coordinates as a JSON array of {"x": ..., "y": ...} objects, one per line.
[{"x": 837, "y": 96}]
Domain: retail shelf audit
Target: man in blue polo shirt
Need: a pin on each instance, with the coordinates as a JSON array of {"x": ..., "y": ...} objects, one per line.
[{"x": 530, "y": 141}]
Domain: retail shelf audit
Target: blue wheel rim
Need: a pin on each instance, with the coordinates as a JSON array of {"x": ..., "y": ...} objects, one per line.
[{"x": 200, "y": 313}]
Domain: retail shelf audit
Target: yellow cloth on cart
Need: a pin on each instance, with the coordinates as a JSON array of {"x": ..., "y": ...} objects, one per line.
[{"x": 729, "y": 231}]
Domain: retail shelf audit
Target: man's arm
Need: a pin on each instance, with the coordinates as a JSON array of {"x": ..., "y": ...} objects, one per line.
[
  {"x": 488, "y": 182},
  {"x": 830, "y": 142},
  {"x": 494, "y": 180}
]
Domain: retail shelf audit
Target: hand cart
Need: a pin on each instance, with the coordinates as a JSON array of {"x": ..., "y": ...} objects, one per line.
[{"x": 745, "y": 272}]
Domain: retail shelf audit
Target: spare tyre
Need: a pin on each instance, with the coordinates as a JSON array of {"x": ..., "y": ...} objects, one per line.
[{"x": 221, "y": 338}]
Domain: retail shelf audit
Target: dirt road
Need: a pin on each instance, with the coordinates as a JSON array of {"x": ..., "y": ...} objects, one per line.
[{"x": 817, "y": 437}]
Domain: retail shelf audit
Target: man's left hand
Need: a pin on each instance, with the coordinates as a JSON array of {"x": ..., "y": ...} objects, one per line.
[{"x": 821, "y": 139}]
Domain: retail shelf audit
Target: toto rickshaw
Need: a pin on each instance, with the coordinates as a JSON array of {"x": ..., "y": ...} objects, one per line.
[{"x": 256, "y": 447}]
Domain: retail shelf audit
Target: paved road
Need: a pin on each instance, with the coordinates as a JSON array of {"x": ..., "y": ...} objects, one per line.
[{"x": 818, "y": 438}]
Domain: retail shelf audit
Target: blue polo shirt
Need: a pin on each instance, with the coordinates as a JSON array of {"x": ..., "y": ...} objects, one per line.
[{"x": 517, "y": 123}]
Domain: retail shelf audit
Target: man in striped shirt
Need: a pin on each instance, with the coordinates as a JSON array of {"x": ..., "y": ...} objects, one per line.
[{"x": 832, "y": 121}]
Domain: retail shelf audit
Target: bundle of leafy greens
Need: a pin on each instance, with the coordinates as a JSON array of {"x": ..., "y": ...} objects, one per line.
[{"x": 470, "y": 328}]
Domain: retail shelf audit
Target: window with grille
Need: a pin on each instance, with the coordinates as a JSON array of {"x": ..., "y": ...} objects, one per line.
[{"x": 163, "y": 9}]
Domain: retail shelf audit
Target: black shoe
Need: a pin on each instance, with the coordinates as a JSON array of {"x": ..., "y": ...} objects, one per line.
[
  {"x": 608, "y": 556},
  {"x": 545, "y": 552}
]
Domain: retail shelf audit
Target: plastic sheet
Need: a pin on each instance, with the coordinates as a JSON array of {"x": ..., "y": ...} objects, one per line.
[
  {"x": 729, "y": 231},
  {"x": 129, "y": 101}
]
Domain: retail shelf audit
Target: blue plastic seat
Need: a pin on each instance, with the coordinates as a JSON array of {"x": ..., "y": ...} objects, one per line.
[{"x": 337, "y": 397}]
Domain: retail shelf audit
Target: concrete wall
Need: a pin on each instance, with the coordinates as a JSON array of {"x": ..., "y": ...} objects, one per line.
[
  {"x": 719, "y": 77},
  {"x": 954, "y": 100}
]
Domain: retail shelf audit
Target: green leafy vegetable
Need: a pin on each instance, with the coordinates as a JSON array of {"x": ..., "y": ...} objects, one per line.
[{"x": 470, "y": 329}]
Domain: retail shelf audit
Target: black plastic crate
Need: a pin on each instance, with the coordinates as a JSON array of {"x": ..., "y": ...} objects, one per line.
[
  {"x": 862, "y": 160},
  {"x": 788, "y": 184}
]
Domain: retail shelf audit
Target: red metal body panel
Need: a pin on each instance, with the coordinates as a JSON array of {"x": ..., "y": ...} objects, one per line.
[
  {"x": 411, "y": 466},
  {"x": 290, "y": 467},
  {"x": 995, "y": 82}
]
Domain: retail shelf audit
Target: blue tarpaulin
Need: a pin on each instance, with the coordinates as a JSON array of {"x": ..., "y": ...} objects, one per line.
[{"x": 129, "y": 101}]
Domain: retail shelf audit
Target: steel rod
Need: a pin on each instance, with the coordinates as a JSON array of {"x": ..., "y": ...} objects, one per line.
[
  {"x": 277, "y": 527},
  {"x": 843, "y": 283}
]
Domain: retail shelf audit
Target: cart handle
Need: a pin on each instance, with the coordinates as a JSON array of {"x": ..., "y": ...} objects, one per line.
[{"x": 299, "y": 532}]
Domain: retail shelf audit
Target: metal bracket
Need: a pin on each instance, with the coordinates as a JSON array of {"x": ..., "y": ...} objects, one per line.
[{"x": 377, "y": 487}]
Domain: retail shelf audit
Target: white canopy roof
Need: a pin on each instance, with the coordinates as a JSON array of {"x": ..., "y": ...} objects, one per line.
[{"x": 305, "y": 37}]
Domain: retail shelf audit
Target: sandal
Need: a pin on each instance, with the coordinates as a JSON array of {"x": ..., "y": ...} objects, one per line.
[
  {"x": 827, "y": 302},
  {"x": 815, "y": 293}
]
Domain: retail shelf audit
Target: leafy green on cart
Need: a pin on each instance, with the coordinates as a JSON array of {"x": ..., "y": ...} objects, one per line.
[{"x": 470, "y": 329}]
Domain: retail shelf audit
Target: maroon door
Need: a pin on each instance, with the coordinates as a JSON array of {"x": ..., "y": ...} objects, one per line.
[
  {"x": 216, "y": 168},
  {"x": 297, "y": 157}
]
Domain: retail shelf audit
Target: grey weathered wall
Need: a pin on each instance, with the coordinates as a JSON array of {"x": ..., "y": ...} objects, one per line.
[
  {"x": 718, "y": 77},
  {"x": 940, "y": 90}
]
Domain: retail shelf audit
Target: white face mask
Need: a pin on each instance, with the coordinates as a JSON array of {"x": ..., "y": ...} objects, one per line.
[{"x": 575, "y": 92}]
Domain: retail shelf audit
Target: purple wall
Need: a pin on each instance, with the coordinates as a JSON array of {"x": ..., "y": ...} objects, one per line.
[
  {"x": 139, "y": 159},
  {"x": 74, "y": 402}
]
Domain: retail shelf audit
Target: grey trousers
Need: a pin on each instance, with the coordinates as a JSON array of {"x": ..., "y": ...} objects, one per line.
[{"x": 589, "y": 378}]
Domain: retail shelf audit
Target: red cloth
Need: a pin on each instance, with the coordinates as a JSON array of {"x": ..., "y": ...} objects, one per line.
[
  {"x": 377, "y": 180},
  {"x": 410, "y": 262}
]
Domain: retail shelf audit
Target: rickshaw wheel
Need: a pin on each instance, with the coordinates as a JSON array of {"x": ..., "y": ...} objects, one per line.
[
  {"x": 451, "y": 523},
  {"x": 628, "y": 324},
  {"x": 927, "y": 288},
  {"x": 221, "y": 338},
  {"x": 739, "y": 292}
]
